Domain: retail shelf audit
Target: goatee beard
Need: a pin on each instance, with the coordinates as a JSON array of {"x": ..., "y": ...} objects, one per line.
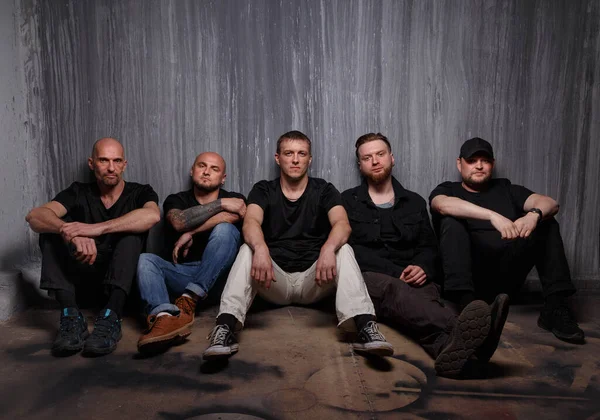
[
  {"x": 477, "y": 186},
  {"x": 206, "y": 188}
]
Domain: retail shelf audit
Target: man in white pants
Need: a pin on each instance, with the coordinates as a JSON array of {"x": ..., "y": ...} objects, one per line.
[{"x": 296, "y": 231}]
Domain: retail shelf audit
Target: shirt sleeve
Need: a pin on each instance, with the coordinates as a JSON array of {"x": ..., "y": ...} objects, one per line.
[
  {"x": 330, "y": 197},
  {"x": 173, "y": 201},
  {"x": 145, "y": 195},
  {"x": 238, "y": 195},
  {"x": 519, "y": 195},
  {"x": 445, "y": 188},
  {"x": 259, "y": 195},
  {"x": 68, "y": 198}
]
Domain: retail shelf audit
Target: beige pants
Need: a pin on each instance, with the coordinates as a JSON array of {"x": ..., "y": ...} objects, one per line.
[{"x": 352, "y": 297}]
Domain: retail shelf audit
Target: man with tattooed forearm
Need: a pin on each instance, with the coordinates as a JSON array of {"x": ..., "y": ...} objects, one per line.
[{"x": 203, "y": 237}]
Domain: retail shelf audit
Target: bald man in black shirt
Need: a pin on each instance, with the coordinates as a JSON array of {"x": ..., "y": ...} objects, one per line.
[{"x": 92, "y": 235}]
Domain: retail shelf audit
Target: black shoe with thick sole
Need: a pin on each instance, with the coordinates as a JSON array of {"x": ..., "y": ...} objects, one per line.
[
  {"x": 499, "y": 310},
  {"x": 561, "y": 322},
  {"x": 71, "y": 334},
  {"x": 471, "y": 330},
  {"x": 106, "y": 335},
  {"x": 222, "y": 344}
]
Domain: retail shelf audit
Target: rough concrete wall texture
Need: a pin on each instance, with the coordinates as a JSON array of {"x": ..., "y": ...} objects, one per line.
[
  {"x": 175, "y": 78},
  {"x": 13, "y": 178}
]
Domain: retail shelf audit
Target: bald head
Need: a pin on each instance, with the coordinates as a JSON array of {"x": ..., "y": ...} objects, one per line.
[
  {"x": 213, "y": 158},
  {"x": 107, "y": 162},
  {"x": 107, "y": 142},
  {"x": 208, "y": 172}
]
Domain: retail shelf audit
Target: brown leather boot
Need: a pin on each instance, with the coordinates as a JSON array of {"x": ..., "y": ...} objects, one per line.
[
  {"x": 163, "y": 331},
  {"x": 187, "y": 308}
]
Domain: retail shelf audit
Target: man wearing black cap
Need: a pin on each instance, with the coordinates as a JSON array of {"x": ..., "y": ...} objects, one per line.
[{"x": 492, "y": 233}]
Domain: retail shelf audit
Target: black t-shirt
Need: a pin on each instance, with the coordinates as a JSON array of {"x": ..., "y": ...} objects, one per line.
[
  {"x": 182, "y": 201},
  {"x": 501, "y": 196},
  {"x": 295, "y": 231},
  {"x": 83, "y": 204}
]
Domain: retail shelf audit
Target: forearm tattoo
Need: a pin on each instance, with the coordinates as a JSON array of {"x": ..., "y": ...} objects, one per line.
[{"x": 195, "y": 216}]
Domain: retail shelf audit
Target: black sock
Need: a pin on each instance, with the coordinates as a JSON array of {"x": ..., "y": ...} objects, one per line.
[
  {"x": 66, "y": 299},
  {"x": 227, "y": 319},
  {"x": 116, "y": 301},
  {"x": 362, "y": 320},
  {"x": 556, "y": 299}
]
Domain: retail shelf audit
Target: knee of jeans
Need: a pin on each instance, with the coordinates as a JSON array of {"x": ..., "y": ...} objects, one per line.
[
  {"x": 145, "y": 262},
  {"x": 224, "y": 231}
]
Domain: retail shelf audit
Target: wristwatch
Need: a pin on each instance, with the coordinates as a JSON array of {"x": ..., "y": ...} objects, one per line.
[{"x": 538, "y": 212}]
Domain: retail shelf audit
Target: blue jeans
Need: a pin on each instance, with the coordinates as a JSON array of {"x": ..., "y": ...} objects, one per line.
[{"x": 157, "y": 277}]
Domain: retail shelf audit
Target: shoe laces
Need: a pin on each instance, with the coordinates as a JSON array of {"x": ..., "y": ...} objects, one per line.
[
  {"x": 218, "y": 335},
  {"x": 372, "y": 331},
  {"x": 103, "y": 327},
  {"x": 185, "y": 305},
  {"x": 69, "y": 324}
]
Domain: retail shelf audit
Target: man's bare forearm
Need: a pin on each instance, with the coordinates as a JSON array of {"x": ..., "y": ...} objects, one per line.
[
  {"x": 253, "y": 234},
  {"x": 547, "y": 205},
  {"x": 223, "y": 217},
  {"x": 186, "y": 220},
  {"x": 136, "y": 221},
  {"x": 340, "y": 232},
  {"x": 462, "y": 209},
  {"x": 44, "y": 220}
]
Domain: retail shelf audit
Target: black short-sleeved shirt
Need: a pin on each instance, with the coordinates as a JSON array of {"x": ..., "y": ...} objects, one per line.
[
  {"x": 83, "y": 204},
  {"x": 182, "y": 201},
  {"x": 501, "y": 196},
  {"x": 295, "y": 231}
]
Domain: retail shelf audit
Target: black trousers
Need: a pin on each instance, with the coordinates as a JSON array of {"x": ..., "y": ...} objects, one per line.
[
  {"x": 115, "y": 266},
  {"x": 483, "y": 263},
  {"x": 415, "y": 311}
]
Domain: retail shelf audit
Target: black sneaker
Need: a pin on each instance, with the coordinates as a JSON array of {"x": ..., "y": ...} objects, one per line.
[
  {"x": 471, "y": 329},
  {"x": 371, "y": 341},
  {"x": 222, "y": 344},
  {"x": 106, "y": 334},
  {"x": 499, "y": 311},
  {"x": 71, "y": 334},
  {"x": 561, "y": 322}
]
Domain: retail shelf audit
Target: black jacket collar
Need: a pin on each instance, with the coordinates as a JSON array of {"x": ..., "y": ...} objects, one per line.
[{"x": 363, "y": 191}]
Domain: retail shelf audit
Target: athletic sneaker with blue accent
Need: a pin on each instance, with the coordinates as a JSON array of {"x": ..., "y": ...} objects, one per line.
[
  {"x": 71, "y": 334},
  {"x": 106, "y": 334}
]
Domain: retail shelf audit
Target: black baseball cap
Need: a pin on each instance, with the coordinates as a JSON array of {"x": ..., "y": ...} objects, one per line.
[{"x": 474, "y": 146}]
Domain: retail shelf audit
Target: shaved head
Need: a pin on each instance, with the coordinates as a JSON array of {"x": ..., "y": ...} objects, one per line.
[
  {"x": 212, "y": 156},
  {"x": 103, "y": 142},
  {"x": 208, "y": 172}
]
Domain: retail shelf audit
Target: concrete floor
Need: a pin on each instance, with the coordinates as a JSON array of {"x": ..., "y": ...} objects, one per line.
[{"x": 293, "y": 365}]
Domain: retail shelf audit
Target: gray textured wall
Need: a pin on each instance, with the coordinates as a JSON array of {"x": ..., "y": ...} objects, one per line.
[
  {"x": 13, "y": 179},
  {"x": 174, "y": 78}
]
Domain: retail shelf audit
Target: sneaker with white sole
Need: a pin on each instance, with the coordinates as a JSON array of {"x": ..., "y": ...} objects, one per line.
[
  {"x": 371, "y": 341},
  {"x": 222, "y": 344}
]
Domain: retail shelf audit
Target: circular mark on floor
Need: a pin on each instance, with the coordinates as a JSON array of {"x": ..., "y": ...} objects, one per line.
[
  {"x": 290, "y": 400},
  {"x": 400, "y": 385}
]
